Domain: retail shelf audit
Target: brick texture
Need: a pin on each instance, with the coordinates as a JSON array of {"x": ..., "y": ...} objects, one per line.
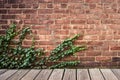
[{"x": 54, "y": 20}]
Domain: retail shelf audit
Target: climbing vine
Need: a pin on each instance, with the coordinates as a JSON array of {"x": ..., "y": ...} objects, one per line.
[{"x": 20, "y": 57}]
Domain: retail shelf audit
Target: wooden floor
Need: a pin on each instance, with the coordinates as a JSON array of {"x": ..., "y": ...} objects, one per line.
[{"x": 60, "y": 74}]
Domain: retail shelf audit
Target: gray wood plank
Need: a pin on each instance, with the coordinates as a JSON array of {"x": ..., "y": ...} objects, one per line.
[
  {"x": 82, "y": 74},
  {"x": 2, "y": 71},
  {"x": 56, "y": 74},
  {"x": 96, "y": 74},
  {"x": 108, "y": 74},
  {"x": 18, "y": 75},
  {"x": 70, "y": 74},
  {"x": 44, "y": 74},
  {"x": 7, "y": 74},
  {"x": 31, "y": 74},
  {"x": 117, "y": 73}
]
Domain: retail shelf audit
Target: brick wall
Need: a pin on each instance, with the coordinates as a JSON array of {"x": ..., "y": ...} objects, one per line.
[{"x": 54, "y": 20}]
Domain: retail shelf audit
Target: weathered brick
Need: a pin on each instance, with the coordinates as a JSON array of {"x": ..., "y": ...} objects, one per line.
[
  {"x": 14, "y": 11},
  {"x": 103, "y": 59},
  {"x": 3, "y": 21},
  {"x": 87, "y": 58},
  {"x": 45, "y": 11},
  {"x": 60, "y": 1},
  {"x": 29, "y": 11},
  {"x": 107, "y": 1},
  {"x": 109, "y": 54},
  {"x": 81, "y": 21},
  {"x": 21, "y": 5},
  {"x": 3, "y": 11},
  {"x": 115, "y": 48},
  {"x": 15, "y": 5},
  {"x": 92, "y": 1},
  {"x": 62, "y": 21},
  {"x": 116, "y": 59},
  {"x": 8, "y": 16},
  {"x": 93, "y": 53},
  {"x": 2, "y": 31},
  {"x": 61, "y": 32},
  {"x": 61, "y": 11}
]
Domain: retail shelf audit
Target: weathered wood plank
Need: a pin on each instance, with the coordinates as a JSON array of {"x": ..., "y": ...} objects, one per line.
[
  {"x": 18, "y": 75},
  {"x": 96, "y": 74},
  {"x": 31, "y": 75},
  {"x": 56, "y": 74},
  {"x": 2, "y": 71},
  {"x": 7, "y": 74},
  {"x": 117, "y": 73},
  {"x": 108, "y": 74},
  {"x": 44, "y": 74},
  {"x": 82, "y": 74},
  {"x": 70, "y": 74}
]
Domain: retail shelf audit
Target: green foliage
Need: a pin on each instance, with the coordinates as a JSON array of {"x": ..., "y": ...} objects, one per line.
[
  {"x": 20, "y": 57},
  {"x": 17, "y": 56}
]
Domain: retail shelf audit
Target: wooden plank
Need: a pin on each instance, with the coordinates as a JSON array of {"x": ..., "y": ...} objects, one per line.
[
  {"x": 44, "y": 74},
  {"x": 31, "y": 75},
  {"x": 70, "y": 74},
  {"x": 117, "y": 73},
  {"x": 7, "y": 74},
  {"x": 56, "y": 74},
  {"x": 2, "y": 71},
  {"x": 95, "y": 74},
  {"x": 18, "y": 75},
  {"x": 108, "y": 74},
  {"x": 82, "y": 74}
]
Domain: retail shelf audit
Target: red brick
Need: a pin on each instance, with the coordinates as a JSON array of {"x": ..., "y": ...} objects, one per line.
[
  {"x": 90, "y": 37},
  {"x": 114, "y": 27},
  {"x": 14, "y": 11},
  {"x": 93, "y": 32},
  {"x": 107, "y": 1},
  {"x": 60, "y": 1},
  {"x": 78, "y": 21},
  {"x": 103, "y": 59},
  {"x": 109, "y": 53},
  {"x": 27, "y": 42},
  {"x": 44, "y": 32},
  {"x": 21, "y": 5},
  {"x": 93, "y": 53},
  {"x": 63, "y": 5},
  {"x": 49, "y": 5},
  {"x": 2, "y": 31},
  {"x": 61, "y": 32},
  {"x": 92, "y": 1},
  {"x": 8, "y": 16},
  {"x": 3, "y": 21},
  {"x": 36, "y": 21},
  {"x": 45, "y": 43},
  {"x": 2, "y": 11},
  {"x": 5, "y": 26},
  {"x": 38, "y": 27},
  {"x": 87, "y": 58},
  {"x": 62, "y": 22},
  {"x": 76, "y": 1},
  {"x": 115, "y": 48},
  {"x": 29, "y": 11},
  {"x": 45, "y": 11},
  {"x": 15, "y": 5},
  {"x": 90, "y": 21},
  {"x": 78, "y": 16},
  {"x": 45, "y": 1},
  {"x": 61, "y": 11}
]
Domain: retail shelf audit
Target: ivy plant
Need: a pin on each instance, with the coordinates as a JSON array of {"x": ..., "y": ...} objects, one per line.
[{"x": 20, "y": 57}]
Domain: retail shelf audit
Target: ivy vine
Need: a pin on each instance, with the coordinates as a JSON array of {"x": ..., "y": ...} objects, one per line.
[{"x": 20, "y": 57}]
